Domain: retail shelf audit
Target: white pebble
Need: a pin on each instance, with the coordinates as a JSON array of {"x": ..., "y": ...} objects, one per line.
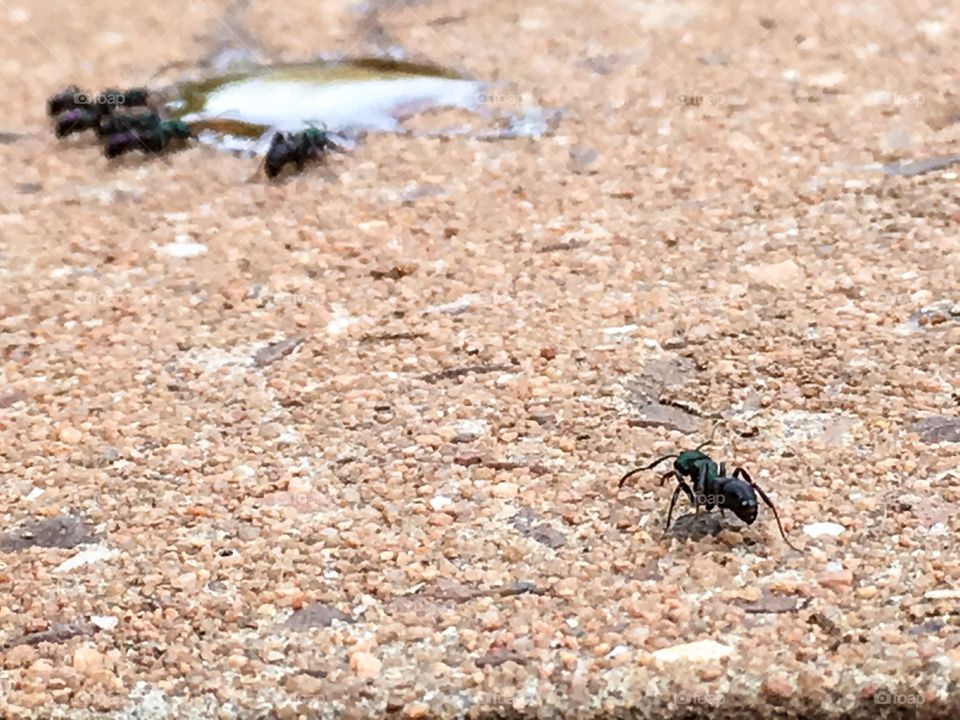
[
  {"x": 700, "y": 651},
  {"x": 823, "y": 528},
  {"x": 467, "y": 430},
  {"x": 86, "y": 557},
  {"x": 621, "y": 330},
  {"x": 439, "y": 502},
  {"x": 104, "y": 622},
  {"x": 182, "y": 249},
  {"x": 457, "y": 306},
  {"x": 340, "y": 321}
]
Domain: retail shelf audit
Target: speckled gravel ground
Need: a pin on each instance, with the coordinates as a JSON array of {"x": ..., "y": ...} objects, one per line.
[{"x": 276, "y": 479}]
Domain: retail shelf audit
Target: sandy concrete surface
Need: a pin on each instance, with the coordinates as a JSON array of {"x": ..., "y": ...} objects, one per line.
[{"x": 347, "y": 445}]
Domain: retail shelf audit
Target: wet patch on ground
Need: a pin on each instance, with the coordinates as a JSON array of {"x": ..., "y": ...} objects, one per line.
[{"x": 349, "y": 97}]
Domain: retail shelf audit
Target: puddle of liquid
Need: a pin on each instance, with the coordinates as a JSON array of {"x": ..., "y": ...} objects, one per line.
[{"x": 346, "y": 97}]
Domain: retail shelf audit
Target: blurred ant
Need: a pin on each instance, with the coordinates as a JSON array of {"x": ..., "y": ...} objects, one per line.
[
  {"x": 76, "y": 110},
  {"x": 297, "y": 148},
  {"x": 64, "y": 100},
  {"x": 155, "y": 138},
  {"x": 114, "y": 124},
  {"x": 76, "y": 120}
]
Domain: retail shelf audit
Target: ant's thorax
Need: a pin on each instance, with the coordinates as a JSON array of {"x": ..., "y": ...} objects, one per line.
[{"x": 689, "y": 463}]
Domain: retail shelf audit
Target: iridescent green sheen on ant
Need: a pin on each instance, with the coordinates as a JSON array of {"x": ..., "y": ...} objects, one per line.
[
  {"x": 691, "y": 463},
  {"x": 113, "y": 124},
  {"x": 155, "y": 139}
]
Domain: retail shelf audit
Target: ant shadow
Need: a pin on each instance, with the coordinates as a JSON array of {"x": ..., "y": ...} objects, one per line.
[{"x": 705, "y": 524}]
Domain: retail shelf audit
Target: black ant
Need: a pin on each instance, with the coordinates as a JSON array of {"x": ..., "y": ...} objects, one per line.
[
  {"x": 296, "y": 148},
  {"x": 712, "y": 487},
  {"x": 131, "y": 97},
  {"x": 152, "y": 139},
  {"x": 76, "y": 110},
  {"x": 76, "y": 120},
  {"x": 114, "y": 124},
  {"x": 67, "y": 99},
  {"x": 73, "y": 97}
]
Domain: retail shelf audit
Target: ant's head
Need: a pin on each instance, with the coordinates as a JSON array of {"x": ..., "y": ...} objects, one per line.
[
  {"x": 179, "y": 129},
  {"x": 316, "y": 138},
  {"x": 740, "y": 499}
]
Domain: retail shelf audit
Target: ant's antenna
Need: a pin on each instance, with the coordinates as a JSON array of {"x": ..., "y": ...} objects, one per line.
[
  {"x": 645, "y": 467},
  {"x": 668, "y": 457},
  {"x": 712, "y": 433}
]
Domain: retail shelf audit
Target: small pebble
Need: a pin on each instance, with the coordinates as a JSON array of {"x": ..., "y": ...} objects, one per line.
[
  {"x": 85, "y": 557},
  {"x": 776, "y": 686},
  {"x": 365, "y": 664},
  {"x": 506, "y": 490},
  {"x": 823, "y": 528},
  {"x": 70, "y": 435},
  {"x": 778, "y": 276},
  {"x": 104, "y": 622},
  {"x": 695, "y": 652},
  {"x": 304, "y": 685},
  {"x": 439, "y": 502},
  {"x": 837, "y": 580},
  {"x": 88, "y": 660}
]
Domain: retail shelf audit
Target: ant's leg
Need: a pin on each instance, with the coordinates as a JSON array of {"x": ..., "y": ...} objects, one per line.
[
  {"x": 700, "y": 488},
  {"x": 723, "y": 473},
  {"x": 681, "y": 485},
  {"x": 740, "y": 472},
  {"x": 673, "y": 501}
]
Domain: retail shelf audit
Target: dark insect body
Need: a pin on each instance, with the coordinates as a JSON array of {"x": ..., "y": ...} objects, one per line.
[
  {"x": 66, "y": 99},
  {"x": 155, "y": 139},
  {"x": 296, "y": 148},
  {"x": 76, "y": 110},
  {"x": 103, "y": 103},
  {"x": 131, "y": 97},
  {"x": 710, "y": 486},
  {"x": 76, "y": 120},
  {"x": 113, "y": 124}
]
